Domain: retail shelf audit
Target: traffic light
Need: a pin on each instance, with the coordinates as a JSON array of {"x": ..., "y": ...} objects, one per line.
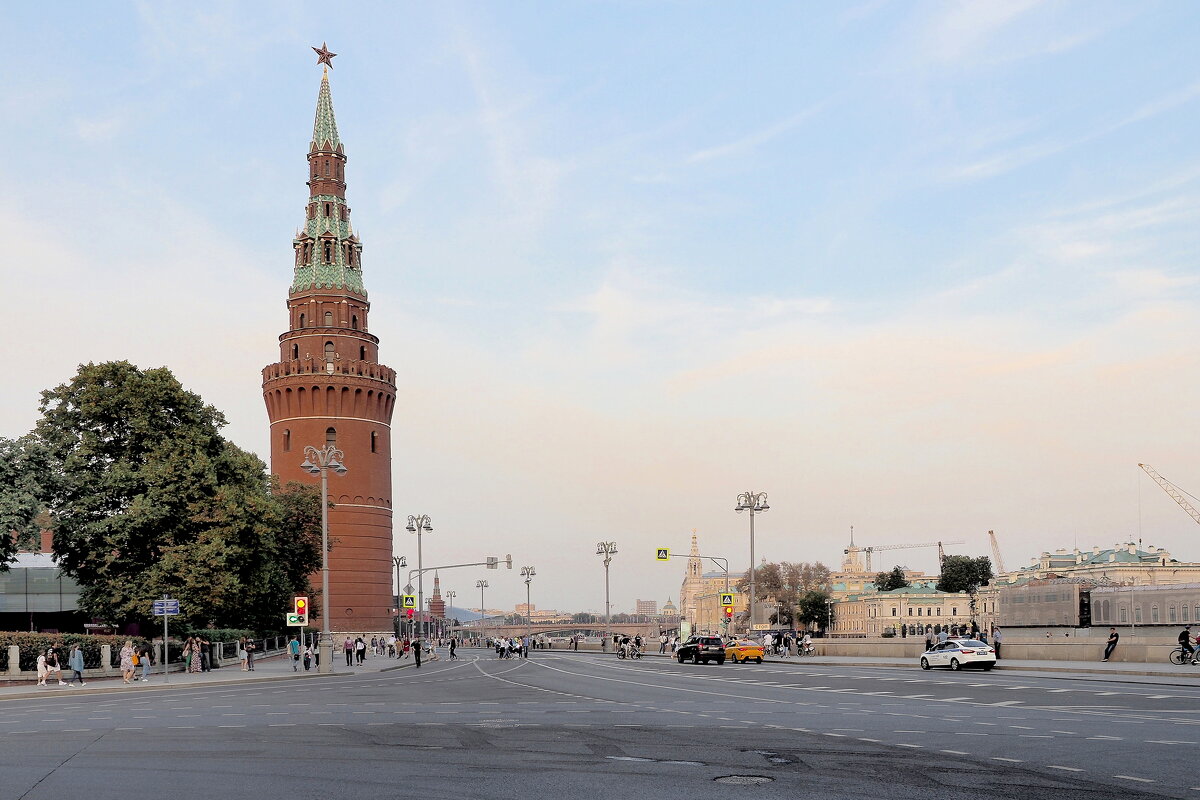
[
  {"x": 408, "y": 611},
  {"x": 728, "y": 612},
  {"x": 300, "y": 609}
]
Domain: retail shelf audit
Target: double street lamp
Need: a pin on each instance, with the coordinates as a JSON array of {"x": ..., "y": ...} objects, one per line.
[
  {"x": 417, "y": 525},
  {"x": 755, "y": 503},
  {"x": 481, "y": 585},
  {"x": 528, "y": 573},
  {"x": 319, "y": 462},
  {"x": 608, "y": 550}
]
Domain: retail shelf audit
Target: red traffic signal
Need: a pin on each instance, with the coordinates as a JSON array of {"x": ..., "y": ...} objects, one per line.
[
  {"x": 728, "y": 612},
  {"x": 408, "y": 611},
  {"x": 300, "y": 609}
]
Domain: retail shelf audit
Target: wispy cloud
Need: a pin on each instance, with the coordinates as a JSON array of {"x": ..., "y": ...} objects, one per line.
[
  {"x": 961, "y": 31},
  {"x": 751, "y": 141}
]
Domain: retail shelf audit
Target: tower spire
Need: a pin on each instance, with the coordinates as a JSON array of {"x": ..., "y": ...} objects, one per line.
[{"x": 328, "y": 252}]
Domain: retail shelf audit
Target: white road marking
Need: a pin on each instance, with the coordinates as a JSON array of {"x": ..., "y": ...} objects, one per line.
[
  {"x": 1068, "y": 769},
  {"x": 1132, "y": 778},
  {"x": 1010, "y": 760}
]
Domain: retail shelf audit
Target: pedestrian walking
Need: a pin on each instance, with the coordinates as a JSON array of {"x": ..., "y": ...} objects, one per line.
[
  {"x": 1111, "y": 644},
  {"x": 294, "y": 652},
  {"x": 348, "y": 647},
  {"x": 42, "y": 670},
  {"x": 997, "y": 636},
  {"x": 416, "y": 648},
  {"x": 53, "y": 667},
  {"x": 242, "y": 652},
  {"x": 127, "y": 654},
  {"x": 194, "y": 664},
  {"x": 205, "y": 654},
  {"x": 307, "y": 657},
  {"x": 453, "y": 647},
  {"x": 146, "y": 659},
  {"x": 251, "y": 647},
  {"x": 75, "y": 662},
  {"x": 360, "y": 649}
]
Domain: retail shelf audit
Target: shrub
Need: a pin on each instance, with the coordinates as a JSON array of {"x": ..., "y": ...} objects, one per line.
[{"x": 32, "y": 644}]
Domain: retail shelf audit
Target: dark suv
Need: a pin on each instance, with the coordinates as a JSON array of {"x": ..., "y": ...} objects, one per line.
[{"x": 701, "y": 650}]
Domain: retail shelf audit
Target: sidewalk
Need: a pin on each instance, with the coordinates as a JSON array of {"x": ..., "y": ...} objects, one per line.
[{"x": 274, "y": 667}]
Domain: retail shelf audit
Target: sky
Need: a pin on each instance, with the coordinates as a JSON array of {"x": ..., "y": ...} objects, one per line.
[{"x": 925, "y": 269}]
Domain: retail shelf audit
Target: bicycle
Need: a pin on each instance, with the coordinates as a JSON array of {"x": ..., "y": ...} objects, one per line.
[
  {"x": 806, "y": 650},
  {"x": 1178, "y": 658},
  {"x": 634, "y": 652}
]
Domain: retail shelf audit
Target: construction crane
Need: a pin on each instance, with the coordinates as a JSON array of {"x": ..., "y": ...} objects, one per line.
[
  {"x": 1176, "y": 493},
  {"x": 1000, "y": 570},
  {"x": 877, "y": 548}
]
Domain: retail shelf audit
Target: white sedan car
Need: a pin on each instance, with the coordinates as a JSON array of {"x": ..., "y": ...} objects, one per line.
[{"x": 960, "y": 654}]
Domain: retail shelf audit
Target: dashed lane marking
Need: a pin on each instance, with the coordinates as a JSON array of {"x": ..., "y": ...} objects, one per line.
[
  {"x": 1132, "y": 778},
  {"x": 1066, "y": 769}
]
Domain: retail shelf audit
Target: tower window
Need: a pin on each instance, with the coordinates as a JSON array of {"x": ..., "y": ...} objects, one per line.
[
  {"x": 374, "y": 441},
  {"x": 301, "y": 320},
  {"x": 329, "y": 351},
  {"x": 328, "y": 252},
  {"x": 329, "y": 209},
  {"x": 287, "y": 440},
  {"x": 354, "y": 322},
  {"x": 331, "y": 436},
  {"x": 362, "y": 353},
  {"x": 295, "y": 351},
  {"x": 327, "y": 166},
  {"x": 328, "y": 319}
]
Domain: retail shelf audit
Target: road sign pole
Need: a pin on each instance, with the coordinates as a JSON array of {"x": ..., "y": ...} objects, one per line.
[{"x": 166, "y": 616}]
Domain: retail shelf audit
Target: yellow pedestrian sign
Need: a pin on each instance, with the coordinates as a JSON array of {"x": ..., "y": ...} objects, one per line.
[
  {"x": 663, "y": 554},
  {"x": 726, "y": 599},
  {"x": 408, "y": 601}
]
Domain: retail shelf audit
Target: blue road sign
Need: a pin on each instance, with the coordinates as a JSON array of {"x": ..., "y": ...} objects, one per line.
[{"x": 166, "y": 608}]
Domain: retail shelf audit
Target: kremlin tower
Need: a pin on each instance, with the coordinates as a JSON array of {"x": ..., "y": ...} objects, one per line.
[{"x": 328, "y": 387}]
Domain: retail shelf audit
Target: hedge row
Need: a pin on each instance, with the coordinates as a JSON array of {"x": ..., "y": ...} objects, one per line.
[{"x": 32, "y": 644}]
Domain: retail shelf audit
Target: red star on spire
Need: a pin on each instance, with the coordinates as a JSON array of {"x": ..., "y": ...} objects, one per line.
[{"x": 324, "y": 56}]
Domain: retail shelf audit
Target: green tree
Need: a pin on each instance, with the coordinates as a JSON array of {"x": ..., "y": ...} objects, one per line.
[
  {"x": 964, "y": 573},
  {"x": 22, "y": 471},
  {"x": 784, "y": 583},
  {"x": 887, "y": 581},
  {"x": 584, "y": 618},
  {"x": 147, "y": 497},
  {"x": 814, "y": 608}
]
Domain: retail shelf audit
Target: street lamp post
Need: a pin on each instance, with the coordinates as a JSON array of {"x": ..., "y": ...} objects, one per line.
[
  {"x": 481, "y": 585},
  {"x": 755, "y": 503},
  {"x": 417, "y": 525},
  {"x": 450, "y": 595},
  {"x": 528, "y": 573},
  {"x": 319, "y": 462},
  {"x": 608, "y": 550}
]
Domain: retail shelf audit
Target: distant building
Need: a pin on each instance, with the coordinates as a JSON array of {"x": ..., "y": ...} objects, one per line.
[
  {"x": 524, "y": 609},
  {"x": 437, "y": 604},
  {"x": 700, "y": 594},
  {"x": 1125, "y": 564},
  {"x": 648, "y": 608},
  {"x": 669, "y": 611}
]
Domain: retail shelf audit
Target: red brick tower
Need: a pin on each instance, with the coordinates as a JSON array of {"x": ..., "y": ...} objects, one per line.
[
  {"x": 329, "y": 387},
  {"x": 437, "y": 604}
]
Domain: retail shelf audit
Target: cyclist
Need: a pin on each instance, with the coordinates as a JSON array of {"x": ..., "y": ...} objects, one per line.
[{"x": 1185, "y": 644}]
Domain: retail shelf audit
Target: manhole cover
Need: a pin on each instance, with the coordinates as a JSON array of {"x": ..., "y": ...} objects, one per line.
[{"x": 744, "y": 780}]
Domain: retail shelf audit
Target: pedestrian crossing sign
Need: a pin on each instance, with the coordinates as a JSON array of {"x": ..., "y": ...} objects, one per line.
[
  {"x": 408, "y": 601},
  {"x": 663, "y": 554},
  {"x": 726, "y": 599}
]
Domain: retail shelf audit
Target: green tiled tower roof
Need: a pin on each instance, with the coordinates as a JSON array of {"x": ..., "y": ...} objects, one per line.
[
  {"x": 325, "y": 133},
  {"x": 327, "y": 251}
]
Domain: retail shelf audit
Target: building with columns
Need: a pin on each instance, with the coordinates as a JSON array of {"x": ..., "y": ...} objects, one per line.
[{"x": 328, "y": 388}]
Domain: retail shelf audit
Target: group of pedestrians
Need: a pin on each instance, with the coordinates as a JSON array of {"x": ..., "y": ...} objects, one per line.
[
  {"x": 514, "y": 647},
  {"x": 47, "y": 665}
]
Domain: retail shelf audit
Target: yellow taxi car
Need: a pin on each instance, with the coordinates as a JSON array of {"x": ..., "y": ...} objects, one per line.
[{"x": 742, "y": 650}]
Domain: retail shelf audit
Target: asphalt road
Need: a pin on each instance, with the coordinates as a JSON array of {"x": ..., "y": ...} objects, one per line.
[{"x": 584, "y": 724}]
